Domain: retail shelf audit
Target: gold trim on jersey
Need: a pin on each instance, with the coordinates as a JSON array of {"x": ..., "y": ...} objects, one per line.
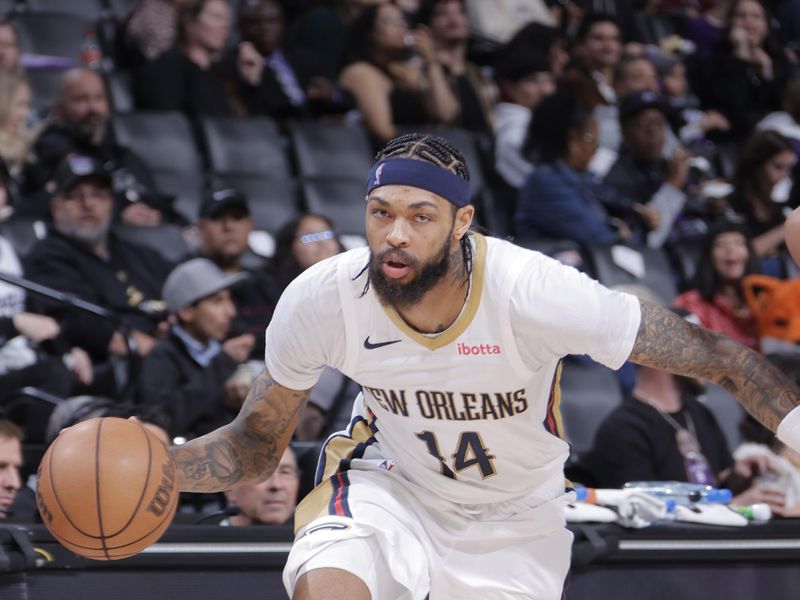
[
  {"x": 465, "y": 318},
  {"x": 554, "y": 403},
  {"x": 317, "y": 503}
]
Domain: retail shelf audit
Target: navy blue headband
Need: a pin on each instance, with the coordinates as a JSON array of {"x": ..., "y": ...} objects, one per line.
[{"x": 421, "y": 174}]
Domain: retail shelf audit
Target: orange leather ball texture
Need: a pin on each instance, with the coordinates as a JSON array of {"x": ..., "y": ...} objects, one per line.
[{"x": 107, "y": 488}]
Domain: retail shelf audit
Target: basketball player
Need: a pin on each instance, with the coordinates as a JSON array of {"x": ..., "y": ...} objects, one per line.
[{"x": 448, "y": 481}]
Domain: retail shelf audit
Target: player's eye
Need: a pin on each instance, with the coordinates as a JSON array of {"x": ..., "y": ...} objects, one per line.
[
  {"x": 422, "y": 218},
  {"x": 379, "y": 212}
]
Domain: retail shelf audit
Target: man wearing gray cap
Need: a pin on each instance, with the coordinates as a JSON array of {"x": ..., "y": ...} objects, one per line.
[{"x": 186, "y": 372}]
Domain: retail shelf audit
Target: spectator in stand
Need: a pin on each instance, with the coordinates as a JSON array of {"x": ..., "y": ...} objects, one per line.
[
  {"x": 561, "y": 199},
  {"x": 696, "y": 126},
  {"x": 150, "y": 29},
  {"x": 299, "y": 244},
  {"x": 716, "y": 295},
  {"x": 541, "y": 41},
  {"x": 766, "y": 160},
  {"x": 10, "y": 53},
  {"x": 449, "y": 27},
  {"x": 185, "y": 78},
  {"x": 32, "y": 350},
  {"x": 632, "y": 74},
  {"x": 705, "y": 29},
  {"x": 79, "y": 124},
  {"x": 16, "y": 136},
  {"x": 498, "y": 20},
  {"x": 745, "y": 76},
  {"x": 271, "y": 502},
  {"x": 186, "y": 372},
  {"x": 322, "y": 30},
  {"x": 523, "y": 81},
  {"x": 224, "y": 227},
  {"x": 661, "y": 432},
  {"x": 642, "y": 174},
  {"x": 10, "y": 465},
  {"x": 273, "y": 79},
  {"x": 302, "y": 242},
  {"x": 597, "y": 50},
  {"x": 394, "y": 83},
  {"x": 83, "y": 257}
]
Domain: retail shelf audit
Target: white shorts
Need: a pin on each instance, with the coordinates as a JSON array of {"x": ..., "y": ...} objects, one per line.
[{"x": 405, "y": 544}]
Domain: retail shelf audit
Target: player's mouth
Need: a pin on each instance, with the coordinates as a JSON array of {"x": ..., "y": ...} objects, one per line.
[{"x": 394, "y": 269}]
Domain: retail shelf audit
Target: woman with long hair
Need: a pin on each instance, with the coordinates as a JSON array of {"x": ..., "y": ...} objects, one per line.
[
  {"x": 15, "y": 134},
  {"x": 393, "y": 74},
  {"x": 766, "y": 160},
  {"x": 716, "y": 297},
  {"x": 745, "y": 75}
]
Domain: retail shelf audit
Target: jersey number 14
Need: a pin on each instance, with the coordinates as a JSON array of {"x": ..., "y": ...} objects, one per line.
[{"x": 470, "y": 452}]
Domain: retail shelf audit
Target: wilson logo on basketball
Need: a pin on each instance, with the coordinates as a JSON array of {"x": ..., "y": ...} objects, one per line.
[
  {"x": 161, "y": 499},
  {"x": 477, "y": 349}
]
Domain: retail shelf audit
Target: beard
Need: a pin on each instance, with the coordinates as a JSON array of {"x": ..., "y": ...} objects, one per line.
[
  {"x": 408, "y": 294},
  {"x": 86, "y": 235}
]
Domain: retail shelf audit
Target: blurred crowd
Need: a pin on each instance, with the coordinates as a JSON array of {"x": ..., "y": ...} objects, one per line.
[{"x": 668, "y": 127}]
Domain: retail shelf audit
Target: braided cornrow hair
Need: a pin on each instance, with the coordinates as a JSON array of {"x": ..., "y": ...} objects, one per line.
[{"x": 435, "y": 150}]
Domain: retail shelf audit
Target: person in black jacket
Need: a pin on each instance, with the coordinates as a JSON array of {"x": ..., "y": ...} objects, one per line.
[
  {"x": 273, "y": 79},
  {"x": 79, "y": 124},
  {"x": 186, "y": 373},
  {"x": 81, "y": 256},
  {"x": 223, "y": 228}
]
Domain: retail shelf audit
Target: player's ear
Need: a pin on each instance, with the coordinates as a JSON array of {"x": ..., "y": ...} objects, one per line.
[{"x": 464, "y": 216}]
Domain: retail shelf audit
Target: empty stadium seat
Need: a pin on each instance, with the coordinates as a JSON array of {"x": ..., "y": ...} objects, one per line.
[
  {"x": 622, "y": 265},
  {"x": 90, "y": 9},
  {"x": 589, "y": 392},
  {"x": 339, "y": 199},
  {"x": 187, "y": 189},
  {"x": 167, "y": 239},
  {"x": 272, "y": 202},
  {"x": 162, "y": 139},
  {"x": 52, "y": 33},
  {"x": 330, "y": 149},
  {"x": 246, "y": 145}
]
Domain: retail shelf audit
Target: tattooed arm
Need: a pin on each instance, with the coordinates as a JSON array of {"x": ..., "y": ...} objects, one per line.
[
  {"x": 666, "y": 341},
  {"x": 246, "y": 450}
]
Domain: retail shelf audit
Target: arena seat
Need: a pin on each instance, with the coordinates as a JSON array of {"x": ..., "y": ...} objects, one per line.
[
  {"x": 589, "y": 392},
  {"x": 187, "y": 189},
  {"x": 330, "y": 149},
  {"x": 89, "y": 9},
  {"x": 246, "y": 145},
  {"x": 623, "y": 265},
  {"x": 272, "y": 202},
  {"x": 167, "y": 239},
  {"x": 339, "y": 199},
  {"x": 163, "y": 139},
  {"x": 52, "y": 33}
]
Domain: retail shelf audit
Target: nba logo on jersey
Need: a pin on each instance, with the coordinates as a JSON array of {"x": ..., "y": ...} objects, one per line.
[{"x": 378, "y": 175}]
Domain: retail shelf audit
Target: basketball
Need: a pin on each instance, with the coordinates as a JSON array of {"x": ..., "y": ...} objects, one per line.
[{"x": 107, "y": 488}]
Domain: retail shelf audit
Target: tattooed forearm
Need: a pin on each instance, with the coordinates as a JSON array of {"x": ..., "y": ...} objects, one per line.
[
  {"x": 666, "y": 341},
  {"x": 246, "y": 450}
]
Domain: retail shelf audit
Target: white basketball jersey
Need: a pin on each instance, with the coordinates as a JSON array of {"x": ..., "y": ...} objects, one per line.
[{"x": 470, "y": 414}]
